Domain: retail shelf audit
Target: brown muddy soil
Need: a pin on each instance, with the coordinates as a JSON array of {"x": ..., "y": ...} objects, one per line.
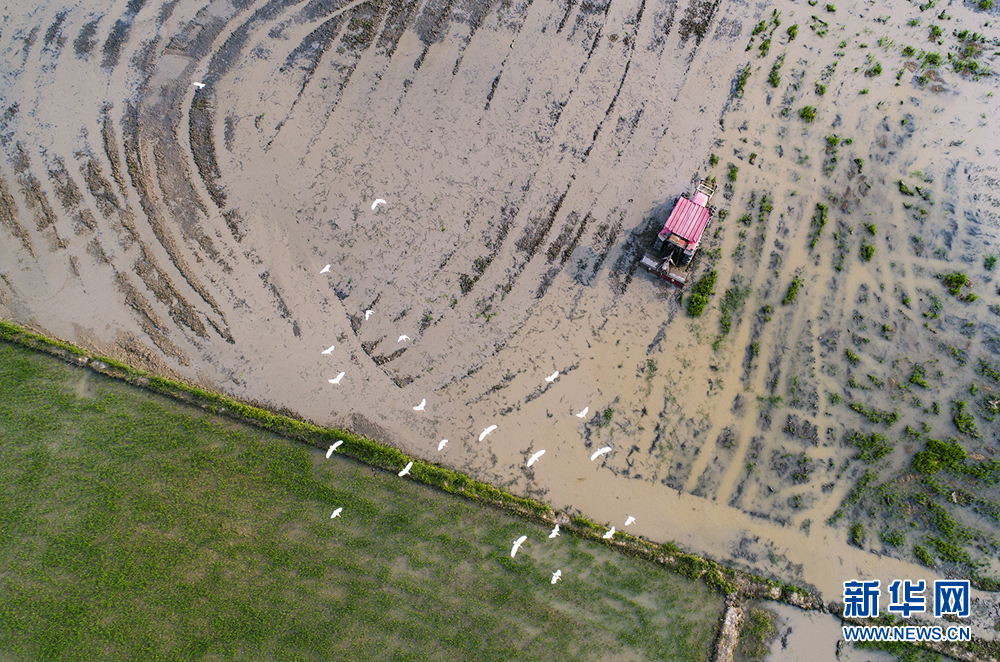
[{"x": 527, "y": 152}]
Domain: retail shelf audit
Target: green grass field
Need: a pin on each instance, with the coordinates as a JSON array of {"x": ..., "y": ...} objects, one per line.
[{"x": 135, "y": 528}]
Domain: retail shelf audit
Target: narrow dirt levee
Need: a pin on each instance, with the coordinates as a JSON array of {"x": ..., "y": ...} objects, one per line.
[{"x": 177, "y": 177}]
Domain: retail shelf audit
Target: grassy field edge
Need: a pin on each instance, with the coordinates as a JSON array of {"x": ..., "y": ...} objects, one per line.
[
  {"x": 724, "y": 580},
  {"x": 738, "y": 585}
]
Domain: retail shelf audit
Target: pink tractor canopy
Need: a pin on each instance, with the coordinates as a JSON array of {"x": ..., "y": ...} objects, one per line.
[
  {"x": 681, "y": 234},
  {"x": 687, "y": 222}
]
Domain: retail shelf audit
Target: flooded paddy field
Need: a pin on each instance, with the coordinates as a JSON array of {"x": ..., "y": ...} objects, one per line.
[{"x": 832, "y": 413}]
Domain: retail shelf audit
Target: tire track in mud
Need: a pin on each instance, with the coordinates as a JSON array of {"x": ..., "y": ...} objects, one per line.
[
  {"x": 8, "y": 218},
  {"x": 131, "y": 141},
  {"x": 359, "y": 20},
  {"x": 145, "y": 265},
  {"x": 607, "y": 113},
  {"x": 119, "y": 35}
]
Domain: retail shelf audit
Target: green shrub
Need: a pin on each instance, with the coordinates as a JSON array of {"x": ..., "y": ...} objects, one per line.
[
  {"x": 793, "y": 291},
  {"x": 926, "y": 463},
  {"x": 936, "y": 32},
  {"x": 733, "y": 170},
  {"x": 703, "y": 289},
  {"x": 893, "y": 537},
  {"x": 964, "y": 421},
  {"x": 741, "y": 81},
  {"x": 871, "y": 447},
  {"x": 774, "y": 78},
  {"x": 867, "y": 251},
  {"x": 987, "y": 370},
  {"x": 909, "y": 51},
  {"x": 816, "y": 224},
  {"x": 793, "y": 31},
  {"x": 990, "y": 262},
  {"x": 918, "y": 376},
  {"x": 807, "y": 113},
  {"x": 713, "y": 160},
  {"x": 954, "y": 282},
  {"x": 948, "y": 453},
  {"x": 820, "y": 89},
  {"x": 831, "y": 8},
  {"x": 875, "y": 415},
  {"x": 923, "y": 556},
  {"x": 903, "y": 188},
  {"x": 857, "y": 534}
]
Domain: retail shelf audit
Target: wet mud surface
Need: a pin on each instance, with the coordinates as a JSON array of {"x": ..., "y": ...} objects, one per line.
[{"x": 528, "y": 151}]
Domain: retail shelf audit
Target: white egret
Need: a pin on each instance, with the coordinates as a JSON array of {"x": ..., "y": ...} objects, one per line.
[
  {"x": 336, "y": 380},
  {"x": 442, "y": 444},
  {"x": 599, "y": 452},
  {"x": 583, "y": 413},
  {"x": 336, "y": 513},
  {"x": 368, "y": 313},
  {"x": 328, "y": 350},
  {"x": 487, "y": 431},
  {"x": 551, "y": 378},
  {"x": 199, "y": 85},
  {"x": 420, "y": 407},
  {"x": 406, "y": 469},
  {"x": 611, "y": 532},
  {"x": 555, "y": 532},
  {"x": 378, "y": 202},
  {"x": 556, "y": 576},
  {"x": 534, "y": 458},
  {"x": 333, "y": 447},
  {"x": 517, "y": 545},
  {"x": 402, "y": 338},
  {"x": 325, "y": 269},
  {"x": 629, "y": 519}
]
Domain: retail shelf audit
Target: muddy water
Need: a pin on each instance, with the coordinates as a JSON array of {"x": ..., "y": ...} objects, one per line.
[
  {"x": 526, "y": 151},
  {"x": 804, "y": 637}
]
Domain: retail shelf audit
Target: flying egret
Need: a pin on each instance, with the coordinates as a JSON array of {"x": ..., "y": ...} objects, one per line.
[
  {"x": 402, "y": 338},
  {"x": 629, "y": 519},
  {"x": 611, "y": 532},
  {"x": 599, "y": 452},
  {"x": 517, "y": 545},
  {"x": 377, "y": 202},
  {"x": 442, "y": 444},
  {"x": 336, "y": 513},
  {"x": 325, "y": 269},
  {"x": 534, "y": 458},
  {"x": 328, "y": 350},
  {"x": 487, "y": 431},
  {"x": 583, "y": 413},
  {"x": 336, "y": 380},
  {"x": 333, "y": 447},
  {"x": 420, "y": 407},
  {"x": 368, "y": 313},
  {"x": 556, "y": 576},
  {"x": 555, "y": 532},
  {"x": 551, "y": 378},
  {"x": 199, "y": 85},
  {"x": 406, "y": 469}
]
